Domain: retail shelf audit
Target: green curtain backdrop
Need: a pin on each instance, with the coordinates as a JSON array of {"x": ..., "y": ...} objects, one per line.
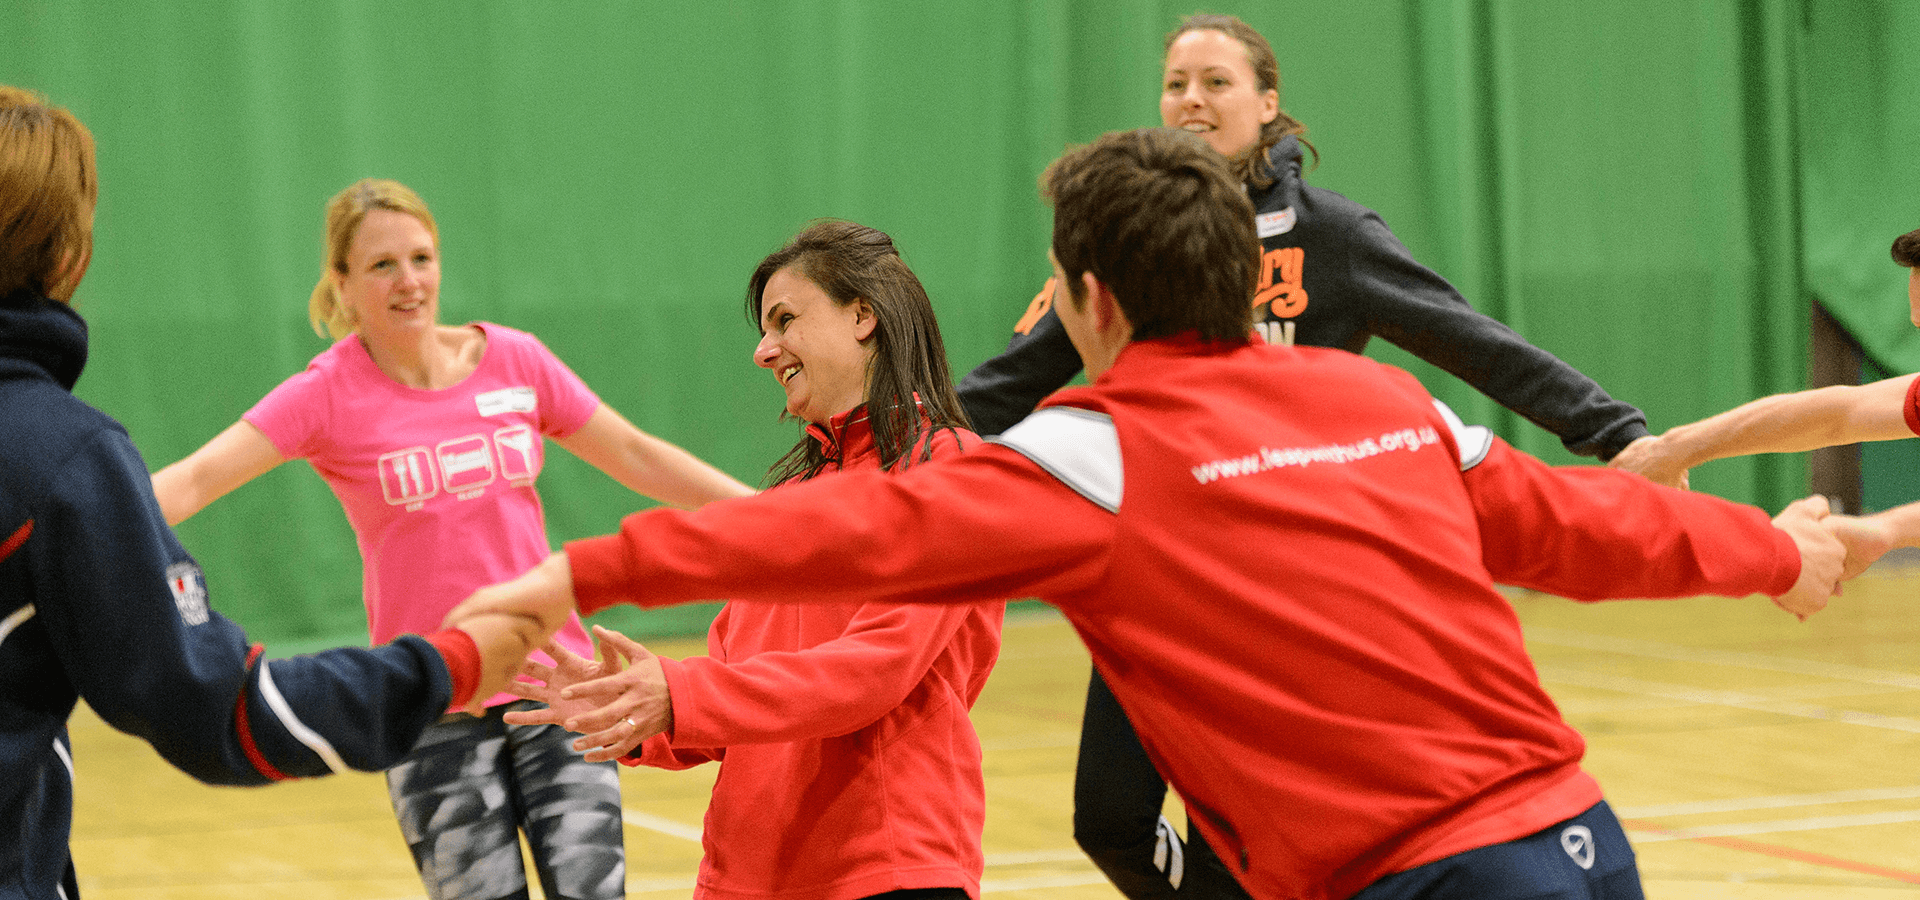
[{"x": 1654, "y": 191}]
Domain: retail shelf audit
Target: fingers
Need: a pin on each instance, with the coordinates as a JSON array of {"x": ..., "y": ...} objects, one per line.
[
  {"x": 617, "y": 645},
  {"x": 545, "y": 715},
  {"x": 613, "y": 742}
]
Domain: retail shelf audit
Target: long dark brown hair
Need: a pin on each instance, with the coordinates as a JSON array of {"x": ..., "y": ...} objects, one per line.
[
  {"x": 1250, "y": 166},
  {"x": 850, "y": 262}
]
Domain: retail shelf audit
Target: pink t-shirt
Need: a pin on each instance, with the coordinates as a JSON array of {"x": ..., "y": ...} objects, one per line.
[{"x": 438, "y": 485}]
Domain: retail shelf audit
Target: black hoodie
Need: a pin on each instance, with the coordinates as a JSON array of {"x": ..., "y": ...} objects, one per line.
[{"x": 1333, "y": 275}]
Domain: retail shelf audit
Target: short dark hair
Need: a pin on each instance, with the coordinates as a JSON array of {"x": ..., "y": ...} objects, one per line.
[
  {"x": 1906, "y": 249},
  {"x": 1158, "y": 218},
  {"x": 850, "y": 262}
]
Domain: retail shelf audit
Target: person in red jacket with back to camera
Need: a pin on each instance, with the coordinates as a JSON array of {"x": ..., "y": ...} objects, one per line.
[{"x": 1281, "y": 559}]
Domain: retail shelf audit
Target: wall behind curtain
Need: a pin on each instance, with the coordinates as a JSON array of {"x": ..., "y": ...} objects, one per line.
[{"x": 1620, "y": 182}]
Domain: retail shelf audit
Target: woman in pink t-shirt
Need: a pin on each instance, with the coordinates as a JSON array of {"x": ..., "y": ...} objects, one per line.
[
  {"x": 848, "y": 765},
  {"x": 431, "y": 436}
]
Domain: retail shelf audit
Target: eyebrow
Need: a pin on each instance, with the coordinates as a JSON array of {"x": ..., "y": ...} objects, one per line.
[{"x": 767, "y": 312}]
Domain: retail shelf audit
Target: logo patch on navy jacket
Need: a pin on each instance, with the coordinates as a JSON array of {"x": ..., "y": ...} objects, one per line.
[{"x": 189, "y": 592}]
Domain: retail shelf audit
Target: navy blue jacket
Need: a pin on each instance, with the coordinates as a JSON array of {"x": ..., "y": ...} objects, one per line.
[
  {"x": 98, "y": 600},
  {"x": 1333, "y": 275}
]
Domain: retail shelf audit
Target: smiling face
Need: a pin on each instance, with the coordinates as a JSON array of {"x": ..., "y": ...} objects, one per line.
[
  {"x": 392, "y": 282},
  {"x": 1209, "y": 88},
  {"x": 814, "y": 346}
]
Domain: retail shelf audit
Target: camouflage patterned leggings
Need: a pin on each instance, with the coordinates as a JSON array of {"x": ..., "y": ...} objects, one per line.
[{"x": 473, "y": 783}]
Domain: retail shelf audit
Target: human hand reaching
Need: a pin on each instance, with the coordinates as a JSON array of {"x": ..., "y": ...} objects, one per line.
[
  {"x": 503, "y": 642},
  {"x": 1648, "y": 455},
  {"x": 614, "y": 704},
  {"x": 543, "y": 597},
  {"x": 1823, "y": 557},
  {"x": 1866, "y": 539}
]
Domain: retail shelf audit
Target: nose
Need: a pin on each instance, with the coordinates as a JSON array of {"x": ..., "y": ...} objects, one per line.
[{"x": 766, "y": 352}]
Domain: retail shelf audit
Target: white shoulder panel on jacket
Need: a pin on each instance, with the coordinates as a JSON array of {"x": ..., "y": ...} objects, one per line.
[
  {"x": 1077, "y": 446},
  {"x": 1474, "y": 441}
]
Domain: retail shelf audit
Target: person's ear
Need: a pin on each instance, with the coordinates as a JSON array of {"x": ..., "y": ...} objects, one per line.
[
  {"x": 864, "y": 320},
  {"x": 1101, "y": 305}
]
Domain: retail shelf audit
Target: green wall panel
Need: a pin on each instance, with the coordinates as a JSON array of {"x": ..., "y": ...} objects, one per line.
[{"x": 1652, "y": 190}]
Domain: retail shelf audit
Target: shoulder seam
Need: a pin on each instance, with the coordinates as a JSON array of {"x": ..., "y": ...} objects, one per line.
[{"x": 1079, "y": 447}]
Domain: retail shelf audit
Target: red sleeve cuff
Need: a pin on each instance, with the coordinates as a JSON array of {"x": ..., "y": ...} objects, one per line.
[
  {"x": 597, "y": 564},
  {"x": 462, "y": 657},
  {"x": 1788, "y": 571}
]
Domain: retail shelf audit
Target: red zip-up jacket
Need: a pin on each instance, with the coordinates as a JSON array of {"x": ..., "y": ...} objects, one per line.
[
  {"x": 1283, "y": 562},
  {"x": 848, "y": 764}
]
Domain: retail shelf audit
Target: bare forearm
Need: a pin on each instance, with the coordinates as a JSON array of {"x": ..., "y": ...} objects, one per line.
[
  {"x": 1797, "y": 422},
  {"x": 1902, "y": 524},
  {"x": 648, "y": 465},
  {"x": 674, "y": 476}
]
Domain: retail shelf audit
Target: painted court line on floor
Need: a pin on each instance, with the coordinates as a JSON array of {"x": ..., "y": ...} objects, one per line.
[
  {"x": 1777, "y": 801},
  {"x": 1732, "y": 699},
  {"x": 661, "y": 824},
  {"x": 1642, "y": 829},
  {"x": 1561, "y": 637},
  {"x": 1776, "y": 826}
]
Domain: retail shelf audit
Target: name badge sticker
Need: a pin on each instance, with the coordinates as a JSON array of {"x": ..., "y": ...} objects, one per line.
[
  {"x": 506, "y": 400},
  {"x": 1270, "y": 224}
]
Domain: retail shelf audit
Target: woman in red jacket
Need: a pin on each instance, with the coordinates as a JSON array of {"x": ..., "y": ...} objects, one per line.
[{"x": 848, "y": 765}]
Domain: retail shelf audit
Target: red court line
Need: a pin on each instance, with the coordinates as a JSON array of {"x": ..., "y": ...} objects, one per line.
[{"x": 1786, "y": 853}]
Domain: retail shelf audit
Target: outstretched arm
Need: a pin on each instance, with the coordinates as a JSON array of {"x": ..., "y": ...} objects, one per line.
[
  {"x": 234, "y": 457},
  {"x": 1870, "y": 537},
  {"x": 648, "y": 465},
  {"x": 1782, "y": 423},
  {"x": 1589, "y": 533},
  {"x": 614, "y": 704}
]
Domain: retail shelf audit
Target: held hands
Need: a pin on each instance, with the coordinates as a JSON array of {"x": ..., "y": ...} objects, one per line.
[
  {"x": 1866, "y": 539},
  {"x": 504, "y": 642},
  {"x": 542, "y": 598},
  {"x": 1648, "y": 455},
  {"x": 615, "y": 704},
  {"x": 1826, "y": 545}
]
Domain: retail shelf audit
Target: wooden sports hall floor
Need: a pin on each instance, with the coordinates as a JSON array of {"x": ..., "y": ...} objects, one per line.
[{"x": 1752, "y": 757}]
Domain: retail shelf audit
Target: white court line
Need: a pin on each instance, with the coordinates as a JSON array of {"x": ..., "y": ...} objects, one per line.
[
  {"x": 999, "y": 885},
  {"x": 661, "y": 824},
  {"x": 671, "y": 828},
  {"x": 1029, "y": 857},
  {"x": 1733, "y": 699},
  {"x": 1817, "y": 823},
  {"x": 1561, "y": 637},
  {"x": 1777, "y": 801}
]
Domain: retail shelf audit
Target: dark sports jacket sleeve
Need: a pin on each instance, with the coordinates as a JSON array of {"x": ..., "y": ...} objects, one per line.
[
  {"x": 1412, "y": 307},
  {"x": 1000, "y": 392},
  {"x": 124, "y": 610}
]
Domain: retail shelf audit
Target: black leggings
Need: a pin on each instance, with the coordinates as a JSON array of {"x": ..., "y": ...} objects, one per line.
[{"x": 1117, "y": 795}]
